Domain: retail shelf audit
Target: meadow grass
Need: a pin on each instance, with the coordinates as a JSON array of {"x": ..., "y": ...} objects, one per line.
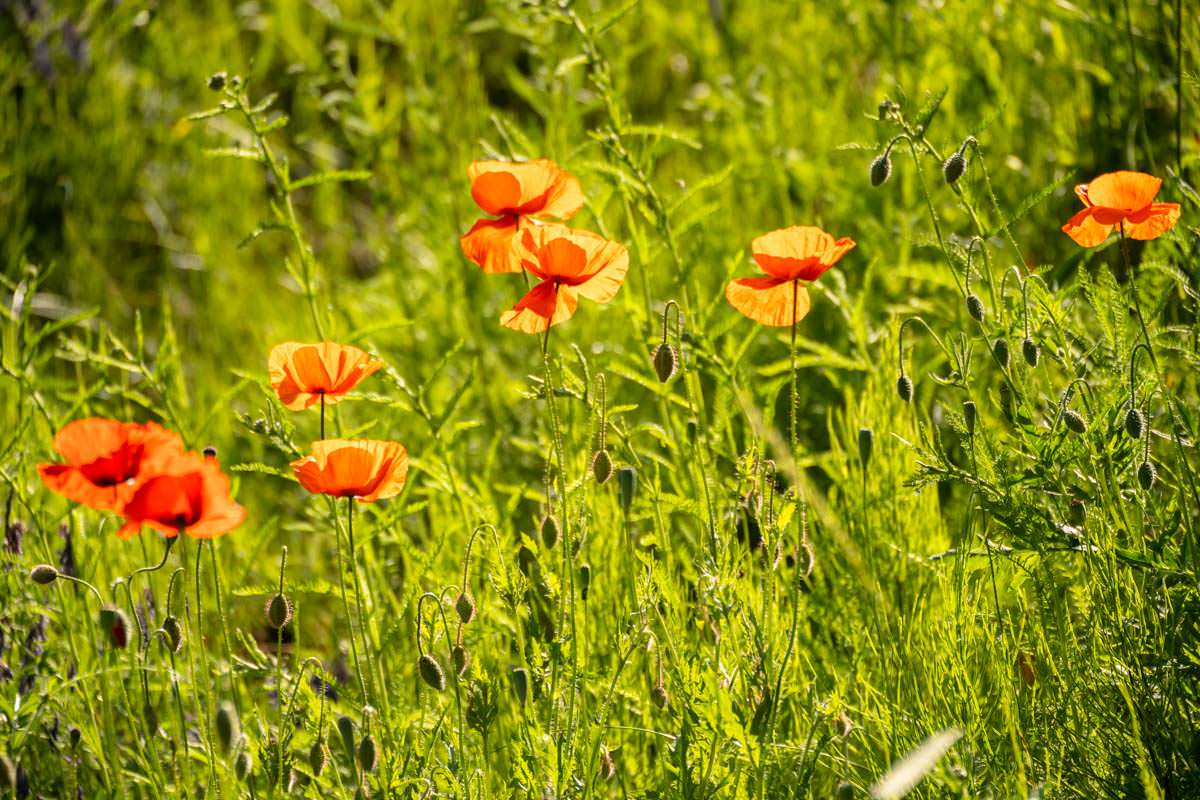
[{"x": 794, "y": 577}]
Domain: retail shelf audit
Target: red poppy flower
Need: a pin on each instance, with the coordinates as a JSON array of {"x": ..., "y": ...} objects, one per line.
[
  {"x": 514, "y": 192},
  {"x": 106, "y": 460},
  {"x": 1124, "y": 199},
  {"x": 570, "y": 264},
  {"x": 368, "y": 470},
  {"x": 790, "y": 257},
  {"x": 188, "y": 493},
  {"x": 304, "y": 373}
]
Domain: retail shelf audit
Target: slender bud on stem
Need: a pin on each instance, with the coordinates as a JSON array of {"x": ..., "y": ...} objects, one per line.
[
  {"x": 1075, "y": 421},
  {"x": 550, "y": 531},
  {"x": 278, "y": 611},
  {"x": 1031, "y": 351},
  {"x": 881, "y": 169},
  {"x": 1147, "y": 475},
  {"x": 1000, "y": 352},
  {"x": 431, "y": 672},
  {"x": 866, "y": 443},
  {"x": 904, "y": 388},
  {"x": 626, "y": 487},
  {"x": 602, "y": 466},
  {"x": 229, "y": 728},
  {"x": 520, "y": 683},
  {"x": 666, "y": 361},
  {"x": 975, "y": 307},
  {"x": 318, "y": 757},
  {"x": 345, "y": 727},
  {"x": 969, "y": 415},
  {"x": 1135, "y": 423},
  {"x": 116, "y": 624},
  {"x": 585, "y": 580},
  {"x": 43, "y": 574},
  {"x": 243, "y": 765},
  {"x": 461, "y": 657},
  {"x": 174, "y": 633},
  {"x": 368, "y": 754}
]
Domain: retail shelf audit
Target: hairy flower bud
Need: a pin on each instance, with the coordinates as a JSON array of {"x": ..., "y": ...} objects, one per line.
[
  {"x": 1031, "y": 351},
  {"x": 969, "y": 415},
  {"x": 666, "y": 361},
  {"x": 881, "y": 169},
  {"x": 243, "y": 765},
  {"x": 318, "y": 757},
  {"x": 585, "y": 580},
  {"x": 368, "y": 754},
  {"x": 602, "y": 466},
  {"x": 1147, "y": 475},
  {"x": 174, "y": 633},
  {"x": 431, "y": 672},
  {"x": 465, "y": 606},
  {"x": 550, "y": 531},
  {"x": 975, "y": 307},
  {"x": 866, "y": 443},
  {"x": 278, "y": 611},
  {"x": 904, "y": 388},
  {"x": 1000, "y": 352},
  {"x": 520, "y": 683},
  {"x": 229, "y": 728},
  {"x": 1135, "y": 423},
  {"x": 1075, "y": 421},
  {"x": 115, "y": 624},
  {"x": 461, "y": 657},
  {"x": 954, "y": 166},
  {"x": 345, "y": 727},
  {"x": 660, "y": 697},
  {"x": 43, "y": 574}
]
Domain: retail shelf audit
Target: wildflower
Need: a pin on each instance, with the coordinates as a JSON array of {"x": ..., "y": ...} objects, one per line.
[
  {"x": 515, "y": 192},
  {"x": 569, "y": 263},
  {"x": 790, "y": 257},
  {"x": 1124, "y": 199},
  {"x": 306, "y": 374},
  {"x": 106, "y": 460},
  {"x": 188, "y": 494},
  {"x": 362, "y": 468}
]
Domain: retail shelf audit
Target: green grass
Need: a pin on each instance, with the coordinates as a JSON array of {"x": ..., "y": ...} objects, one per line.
[{"x": 1017, "y": 584}]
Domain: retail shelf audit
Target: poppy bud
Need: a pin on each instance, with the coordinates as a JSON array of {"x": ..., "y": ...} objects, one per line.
[
  {"x": 886, "y": 107},
  {"x": 520, "y": 683},
  {"x": 43, "y": 574},
  {"x": 550, "y": 531},
  {"x": 526, "y": 560},
  {"x": 116, "y": 624},
  {"x": 666, "y": 361},
  {"x": 345, "y": 727},
  {"x": 954, "y": 166},
  {"x": 431, "y": 672},
  {"x": 278, "y": 611},
  {"x": 368, "y": 754},
  {"x": 1031, "y": 351},
  {"x": 318, "y": 757},
  {"x": 461, "y": 658},
  {"x": 174, "y": 633},
  {"x": 1135, "y": 424},
  {"x": 585, "y": 580},
  {"x": 660, "y": 697},
  {"x": 881, "y": 169},
  {"x": 627, "y": 487},
  {"x": 969, "y": 414},
  {"x": 1000, "y": 352},
  {"x": 465, "y": 606},
  {"x": 210, "y": 452},
  {"x": 904, "y": 388},
  {"x": 1078, "y": 511},
  {"x": 975, "y": 307},
  {"x": 1075, "y": 421},
  {"x": 1147, "y": 474},
  {"x": 228, "y": 726},
  {"x": 602, "y": 466},
  {"x": 243, "y": 765},
  {"x": 866, "y": 442},
  {"x": 844, "y": 791},
  {"x": 216, "y": 81}
]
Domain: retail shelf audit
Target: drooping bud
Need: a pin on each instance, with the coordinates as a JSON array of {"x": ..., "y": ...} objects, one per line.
[
  {"x": 666, "y": 361},
  {"x": 465, "y": 606},
  {"x": 1075, "y": 421},
  {"x": 174, "y": 633},
  {"x": 229, "y": 728},
  {"x": 975, "y": 307},
  {"x": 881, "y": 169},
  {"x": 43, "y": 574},
  {"x": 626, "y": 487},
  {"x": 969, "y": 415},
  {"x": 431, "y": 672},
  {"x": 550, "y": 531},
  {"x": 278, "y": 611},
  {"x": 1000, "y": 352},
  {"x": 1135, "y": 423},
  {"x": 1078, "y": 511},
  {"x": 116, "y": 624},
  {"x": 954, "y": 166},
  {"x": 345, "y": 727},
  {"x": 243, "y": 765},
  {"x": 318, "y": 757},
  {"x": 520, "y": 683},
  {"x": 585, "y": 580},
  {"x": 368, "y": 754},
  {"x": 461, "y": 657},
  {"x": 904, "y": 388},
  {"x": 216, "y": 81},
  {"x": 602, "y": 466},
  {"x": 1031, "y": 351},
  {"x": 866, "y": 443},
  {"x": 1147, "y": 475},
  {"x": 660, "y": 697}
]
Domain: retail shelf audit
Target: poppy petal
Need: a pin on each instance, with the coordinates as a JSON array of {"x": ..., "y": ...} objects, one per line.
[
  {"x": 800, "y": 252},
  {"x": 1085, "y": 229},
  {"x": 770, "y": 301},
  {"x": 492, "y": 244},
  {"x": 1161, "y": 217},
  {"x": 608, "y": 264},
  {"x": 497, "y": 192},
  {"x": 1124, "y": 190},
  {"x": 526, "y": 187},
  {"x": 545, "y": 305}
]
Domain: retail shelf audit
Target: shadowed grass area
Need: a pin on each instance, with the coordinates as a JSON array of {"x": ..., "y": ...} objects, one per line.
[{"x": 751, "y": 606}]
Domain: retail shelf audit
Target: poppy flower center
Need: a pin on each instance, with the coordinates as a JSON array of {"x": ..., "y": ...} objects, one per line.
[{"x": 114, "y": 469}]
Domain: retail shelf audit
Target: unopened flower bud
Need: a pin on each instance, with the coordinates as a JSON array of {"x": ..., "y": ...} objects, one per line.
[
  {"x": 666, "y": 361},
  {"x": 1031, "y": 351},
  {"x": 954, "y": 166},
  {"x": 216, "y": 81},
  {"x": 116, "y": 624},
  {"x": 866, "y": 443},
  {"x": 1135, "y": 423},
  {"x": 1075, "y": 421},
  {"x": 627, "y": 487},
  {"x": 975, "y": 307},
  {"x": 174, "y": 633},
  {"x": 43, "y": 574},
  {"x": 431, "y": 672},
  {"x": 660, "y": 697},
  {"x": 520, "y": 683},
  {"x": 318, "y": 757},
  {"x": 465, "y": 606},
  {"x": 969, "y": 415},
  {"x": 1000, "y": 352},
  {"x": 461, "y": 657},
  {"x": 585, "y": 580},
  {"x": 904, "y": 388},
  {"x": 550, "y": 531},
  {"x": 345, "y": 727},
  {"x": 1147, "y": 475},
  {"x": 229, "y": 728},
  {"x": 602, "y": 466},
  {"x": 243, "y": 765},
  {"x": 368, "y": 754},
  {"x": 881, "y": 169},
  {"x": 278, "y": 611}
]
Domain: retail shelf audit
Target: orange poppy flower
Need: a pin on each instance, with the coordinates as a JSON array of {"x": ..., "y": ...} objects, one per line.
[
  {"x": 188, "y": 493},
  {"x": 1124, "y": 199},
  {"x": 368, "y": 470},
  {"x": 302, "y": 374},
  {"x": 790, "y": 258},
  {"x": 513, "y": 192},
  {"x": 106, "y": 460},
  {"x": 570, "y": 264}
]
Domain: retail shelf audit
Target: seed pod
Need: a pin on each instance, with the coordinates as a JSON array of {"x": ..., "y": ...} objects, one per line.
[
  {"x": 602, "y": 466},
  {"x": 345, "y": 727},
  {"x": 368, "y": 754},
  {"x": 520, "y": 683},
  {"x": 660, "y": 697},
  {"x": 1075, "y": 421},
  {"x": 666, "y": 361},
  {"x": 43, "y": 574},
  {"x": 461, "y": 657},
  {"x": 975, "y": 307},
  {"x": 881, "y": 169},
  {"x": 969, "y": 415},
  {"x": 866, "y": 443},
  {"x": 174, "y": 633},
  {"x": 278, "y": 611},
  {"x": 229, "y": 728},
  {"x": 116, "y": 624},
  {"x": 318, "y": 757},
  {"x": 954, "y": 166},
  {"x": 1031, "y": 351},
  {"x": 585, "y": 580},
  {"x": 1147, "y": 475},
  {"x": 243, "y": 765},
  {"x": 904, "y": 388},
  {"x": 1135, "y": 423},
  {"x": 626, "y": 487},
  {"x": 465, "y": 606},
  {"x": 1000, "y": 351},
  {"x": 431, "y": 672},
  {"x": 550, "y": 531}
]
